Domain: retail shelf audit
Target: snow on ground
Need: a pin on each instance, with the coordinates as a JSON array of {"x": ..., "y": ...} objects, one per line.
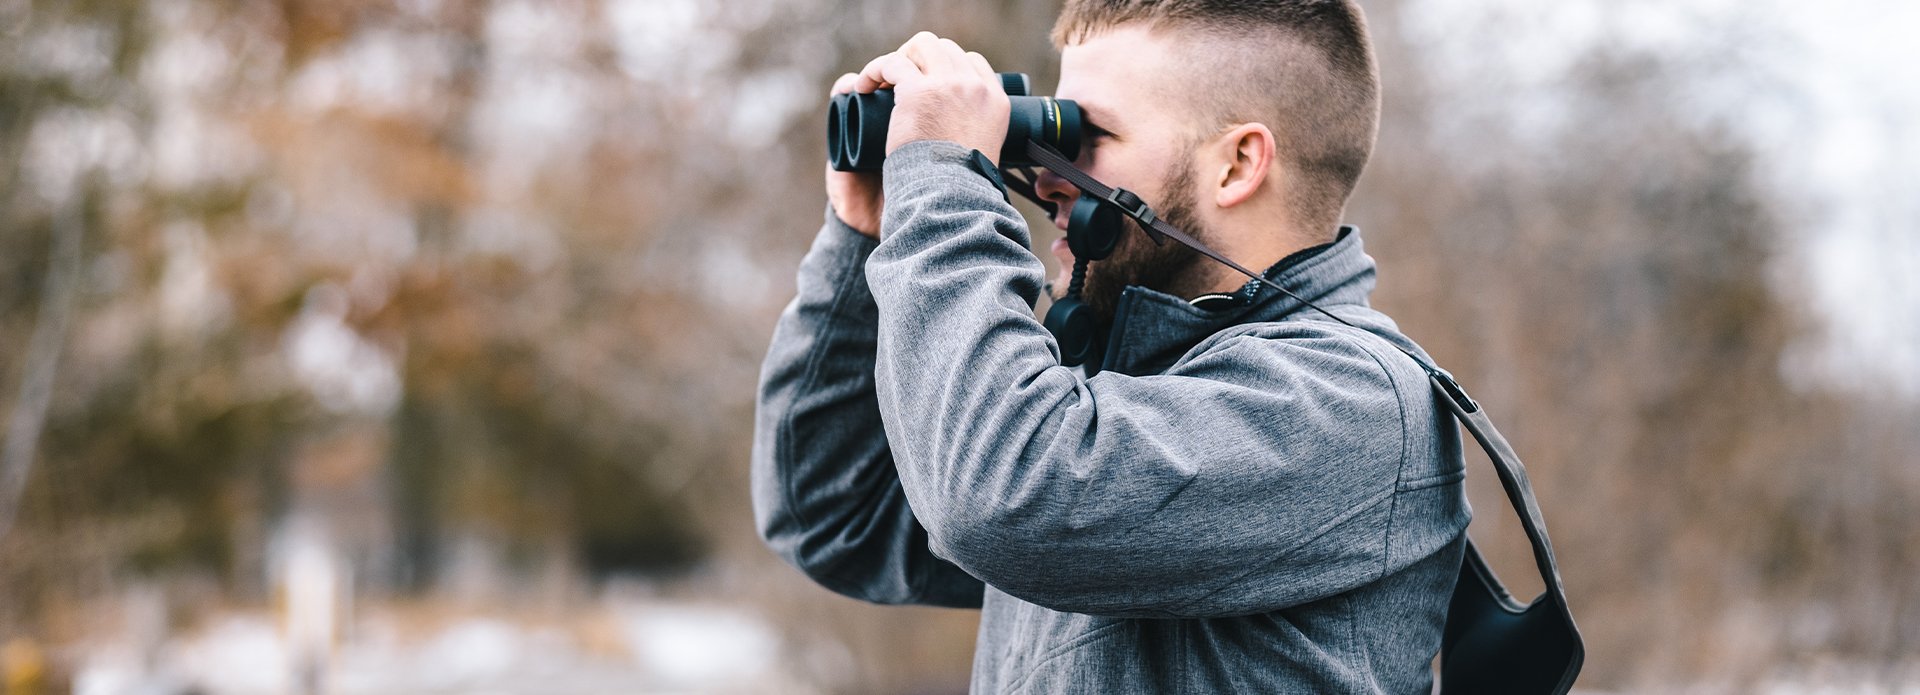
[{"x": 654, "y": 647}]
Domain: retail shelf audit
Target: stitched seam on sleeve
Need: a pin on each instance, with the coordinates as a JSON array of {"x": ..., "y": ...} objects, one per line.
[
  {"x": 1337, "y": 522},
  {"x": 1435, "y": 480},
  {"x": 1406, "y": 436},
  {"x": 809, "y": 378},
  {"x": 1088, "y": 637}
]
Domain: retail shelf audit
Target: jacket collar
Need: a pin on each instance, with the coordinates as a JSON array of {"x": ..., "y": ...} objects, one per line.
[{"x": 1152, "y": 329}]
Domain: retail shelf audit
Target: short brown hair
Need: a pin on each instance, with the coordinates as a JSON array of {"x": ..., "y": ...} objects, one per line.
[{"x": 1303, "y": 67}]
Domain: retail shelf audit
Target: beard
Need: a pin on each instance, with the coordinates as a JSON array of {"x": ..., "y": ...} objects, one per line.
[{"x": 1170, "y": 267}]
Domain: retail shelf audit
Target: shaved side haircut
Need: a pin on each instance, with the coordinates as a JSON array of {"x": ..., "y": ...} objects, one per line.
[{"x": 1304, "y": 68}]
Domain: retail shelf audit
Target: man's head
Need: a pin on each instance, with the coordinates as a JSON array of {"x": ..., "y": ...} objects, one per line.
[{"x": 1246, "y": 123}]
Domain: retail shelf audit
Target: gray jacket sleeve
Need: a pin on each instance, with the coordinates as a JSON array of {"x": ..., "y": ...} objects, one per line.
[
  {"x": 1257, "y": 474},
  {"x": 825, "y": 496}
]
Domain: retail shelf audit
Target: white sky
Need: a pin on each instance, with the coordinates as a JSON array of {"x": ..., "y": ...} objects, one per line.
[
  {"x": 1829, "y": 92},
  {"x": 1861, "y": 167}
]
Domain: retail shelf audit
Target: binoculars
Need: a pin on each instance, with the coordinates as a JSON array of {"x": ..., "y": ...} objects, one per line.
[{"x": 857, "y": 126}]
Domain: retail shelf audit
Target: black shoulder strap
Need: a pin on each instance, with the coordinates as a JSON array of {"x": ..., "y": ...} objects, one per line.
[
  {"x": 1493, "y": 644},
  {"x": 1513, "y": 476}
]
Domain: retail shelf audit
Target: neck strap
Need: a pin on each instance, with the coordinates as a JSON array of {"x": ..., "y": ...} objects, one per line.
[{"x": 1159, "y": 230}]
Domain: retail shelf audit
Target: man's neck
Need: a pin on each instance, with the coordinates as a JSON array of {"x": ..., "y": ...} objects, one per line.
[{"x": 1259, "y": 255}]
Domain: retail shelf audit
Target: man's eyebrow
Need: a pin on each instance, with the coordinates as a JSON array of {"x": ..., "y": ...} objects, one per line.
[{"x": 1092, "y": 117}]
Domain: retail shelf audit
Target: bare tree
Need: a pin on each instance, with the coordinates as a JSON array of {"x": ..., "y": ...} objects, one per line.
[{"x": 42, "y": 362}]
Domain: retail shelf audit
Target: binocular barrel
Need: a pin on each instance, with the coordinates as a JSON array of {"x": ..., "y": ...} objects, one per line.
[{"x": 857, "y": 126}]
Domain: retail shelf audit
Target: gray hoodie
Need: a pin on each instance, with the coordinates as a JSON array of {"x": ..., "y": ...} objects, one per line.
[{"x": 1248, "y": 499}]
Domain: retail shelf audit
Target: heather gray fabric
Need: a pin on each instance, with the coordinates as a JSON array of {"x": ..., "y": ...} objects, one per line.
[{"x": 1254, "y": 499}]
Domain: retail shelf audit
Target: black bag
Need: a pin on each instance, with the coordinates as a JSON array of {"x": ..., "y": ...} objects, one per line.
[{"x": 1493, "y": 643}]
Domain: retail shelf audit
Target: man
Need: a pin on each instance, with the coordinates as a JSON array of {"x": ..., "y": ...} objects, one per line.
[{"x": 1249, "y": 498}]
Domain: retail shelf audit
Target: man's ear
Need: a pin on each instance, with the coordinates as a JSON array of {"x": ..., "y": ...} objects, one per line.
[{"x": 1245, "y": 156}]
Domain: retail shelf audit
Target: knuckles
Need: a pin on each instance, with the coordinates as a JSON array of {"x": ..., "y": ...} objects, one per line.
[
  {"x": 950, "y": 104},
  {"x": 954, "y": 93}
]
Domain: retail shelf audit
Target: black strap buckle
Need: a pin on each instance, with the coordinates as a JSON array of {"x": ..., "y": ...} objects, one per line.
[
  {"x": 1452, "y": 388},
  {"x": 1132, "y": 205},
  {"x": 984, "y": 166}
]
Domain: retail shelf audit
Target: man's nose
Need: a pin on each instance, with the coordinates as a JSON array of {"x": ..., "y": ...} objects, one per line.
[{"x": 1056, "y": 190}]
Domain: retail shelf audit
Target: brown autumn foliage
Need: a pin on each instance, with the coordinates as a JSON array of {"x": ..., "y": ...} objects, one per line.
[{"x": 562, "y": 230}]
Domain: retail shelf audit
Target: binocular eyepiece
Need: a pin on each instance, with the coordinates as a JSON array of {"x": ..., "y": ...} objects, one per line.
[{"x": 857, "y": 126}]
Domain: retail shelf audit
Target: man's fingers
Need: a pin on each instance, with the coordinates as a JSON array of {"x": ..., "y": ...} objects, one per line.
[
  {"x": 936, "y": 55},
  {"x": 980, "y": 65},
  {"x": 925, "y": 50},
  {"x": 949, "y": 55},
  {"x": 921, "y": 55},
  {"x": 845, "y": 83},
  {"x": 886, "y": 71}
]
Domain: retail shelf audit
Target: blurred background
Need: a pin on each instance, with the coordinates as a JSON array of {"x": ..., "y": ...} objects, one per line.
[{"x": 396, "y": 346}]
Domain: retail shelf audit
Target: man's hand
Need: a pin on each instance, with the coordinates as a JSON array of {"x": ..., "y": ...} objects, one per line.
[
  {"x": 940, "y": 93},
  {"x": 855, "y": 195}
]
